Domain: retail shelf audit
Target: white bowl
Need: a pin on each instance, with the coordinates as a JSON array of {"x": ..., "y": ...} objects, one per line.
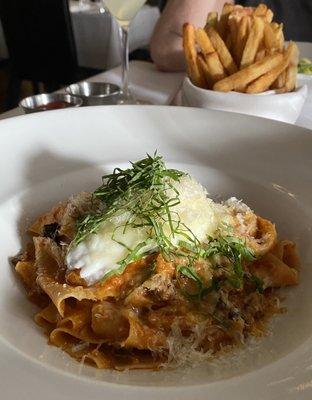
[
  {"x": 264, "y": 162},
  {"x": 284, "y": 107},
  {"x": 305, "y": 79},
  {"x": 230, "y": 154}
]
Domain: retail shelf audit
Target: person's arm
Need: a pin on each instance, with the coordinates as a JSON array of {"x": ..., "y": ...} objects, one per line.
[{"x": 166, "y": 43}]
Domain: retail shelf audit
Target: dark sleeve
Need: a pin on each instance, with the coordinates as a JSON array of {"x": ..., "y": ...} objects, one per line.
[
  {"x": 295, "y": 14},
  {"x": 159, "y": 3}
]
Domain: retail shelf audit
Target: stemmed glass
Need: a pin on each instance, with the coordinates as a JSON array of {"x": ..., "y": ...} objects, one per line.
[
  {"x": 83, "y": 4},
  {"x": 124, "y": 11}
]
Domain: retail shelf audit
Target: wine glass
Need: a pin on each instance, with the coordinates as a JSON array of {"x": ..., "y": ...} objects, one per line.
[
  {"x": 83, "y": 4},
  {"x": 124, "y": 11}
]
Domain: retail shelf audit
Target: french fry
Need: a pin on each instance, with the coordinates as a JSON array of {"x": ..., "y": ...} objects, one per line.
[
  {"x": 203, "y": 71},
  {"x": 291, "y": 71},
  {"x": 215, "y": 68},
  {"x": 260, "y": 55},
  {"x": 249, "y": 10},
  {"x": 223, "y": 53},
  {"x": 212, "y": 19},
  {"x": 195, "y": 73},
  {"x": 278, "y": 30},
  {"x": 291, "y": 78},
  {"x": 281, "y": 90},
  {"x": 272, "y": 37},
  {"x": 254, "y": 39},
  {"x": 228, "y": 40},
  {"x": 260, "y": 10},
  {"x": 265, "y": 81},
  {"x": 203, "y": 41},
  {"x": 293, "y": 53},
  {"x": 280, "y": 81},
  {"x": 269, "y": 37},
  {"x": 242, "y": 35},
  {"x": 269, "y": 15},
  {"x": 203, "y": 67},
  {"x": 223, "y": 22},
  {"x": 242, "y": 78},
  {"x": 233, "y": 24},
  {"x": 281, "y": 38}
]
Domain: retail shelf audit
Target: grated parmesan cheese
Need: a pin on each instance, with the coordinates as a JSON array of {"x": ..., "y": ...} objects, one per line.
[{"x": 101, "y": 252}]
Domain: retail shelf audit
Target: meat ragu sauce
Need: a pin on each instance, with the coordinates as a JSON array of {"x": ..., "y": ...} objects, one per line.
[{"x": 167, "y": 303}]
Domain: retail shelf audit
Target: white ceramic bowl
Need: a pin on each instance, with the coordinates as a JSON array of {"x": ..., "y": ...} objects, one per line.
[
  {"x": 304, "y": 79},
  {"x": 46, "y": 157},
  {"x": 284, "y": 107}
]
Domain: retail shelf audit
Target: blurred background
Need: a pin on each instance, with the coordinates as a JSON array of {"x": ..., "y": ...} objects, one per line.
[{"x": 48, "y": 44}]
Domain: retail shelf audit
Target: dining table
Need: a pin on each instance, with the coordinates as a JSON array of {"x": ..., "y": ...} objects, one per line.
[
  {"x": 96, "y": 34},
  {"x": 164, "y": 88}
]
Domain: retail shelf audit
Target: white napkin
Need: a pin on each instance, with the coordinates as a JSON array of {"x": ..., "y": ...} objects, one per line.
[{"x": 146, "y": 82}]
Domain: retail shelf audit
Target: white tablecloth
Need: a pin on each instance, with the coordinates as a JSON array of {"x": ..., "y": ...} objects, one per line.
[
  {"x": 96, "y": 35},
  {"x": 163, "y": 88}
]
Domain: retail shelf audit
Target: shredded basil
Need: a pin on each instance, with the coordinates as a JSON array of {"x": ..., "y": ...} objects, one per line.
[{"x": 146, "y": 193}]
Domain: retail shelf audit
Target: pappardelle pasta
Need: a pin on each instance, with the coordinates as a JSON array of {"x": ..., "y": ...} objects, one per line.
[{"x": 148, "y": 271}]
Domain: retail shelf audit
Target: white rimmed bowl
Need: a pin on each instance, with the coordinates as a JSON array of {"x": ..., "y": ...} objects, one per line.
[
  {"x": 305, "y": 79},
  {"x": 46, "y": 157},
  {"x": 284, "y": 107}
]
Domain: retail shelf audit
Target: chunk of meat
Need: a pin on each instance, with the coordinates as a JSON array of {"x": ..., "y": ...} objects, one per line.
[{"x": 157, "y": 291}]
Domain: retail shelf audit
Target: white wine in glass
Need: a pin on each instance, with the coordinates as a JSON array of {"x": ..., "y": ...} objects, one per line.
[{"x": 124, "y": 11}]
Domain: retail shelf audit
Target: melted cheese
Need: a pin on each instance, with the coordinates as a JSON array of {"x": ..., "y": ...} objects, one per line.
[{"x": 100, "y": 253}]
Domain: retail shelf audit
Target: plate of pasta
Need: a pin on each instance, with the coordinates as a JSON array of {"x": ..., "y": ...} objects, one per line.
[{"x": 155, "y": 251}]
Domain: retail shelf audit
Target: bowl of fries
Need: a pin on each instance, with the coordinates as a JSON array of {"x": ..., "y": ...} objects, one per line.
[{"x": 240, "y": 63}]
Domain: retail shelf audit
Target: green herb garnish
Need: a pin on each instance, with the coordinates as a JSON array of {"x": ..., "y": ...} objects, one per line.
[
  {"x": 233, "y": 250},
  {"x": 146, "y": 195},
  {"x": 305, "y": 66},
  {"x": 189, "y": 272},
  {"x": 142, "y": 192},
  {"x": 258, "y": 283}
]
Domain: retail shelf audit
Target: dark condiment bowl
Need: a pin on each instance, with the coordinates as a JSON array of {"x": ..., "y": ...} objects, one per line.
[
  {"x": 95, "y": 93},
  {"x": 49, "y": 101}
]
